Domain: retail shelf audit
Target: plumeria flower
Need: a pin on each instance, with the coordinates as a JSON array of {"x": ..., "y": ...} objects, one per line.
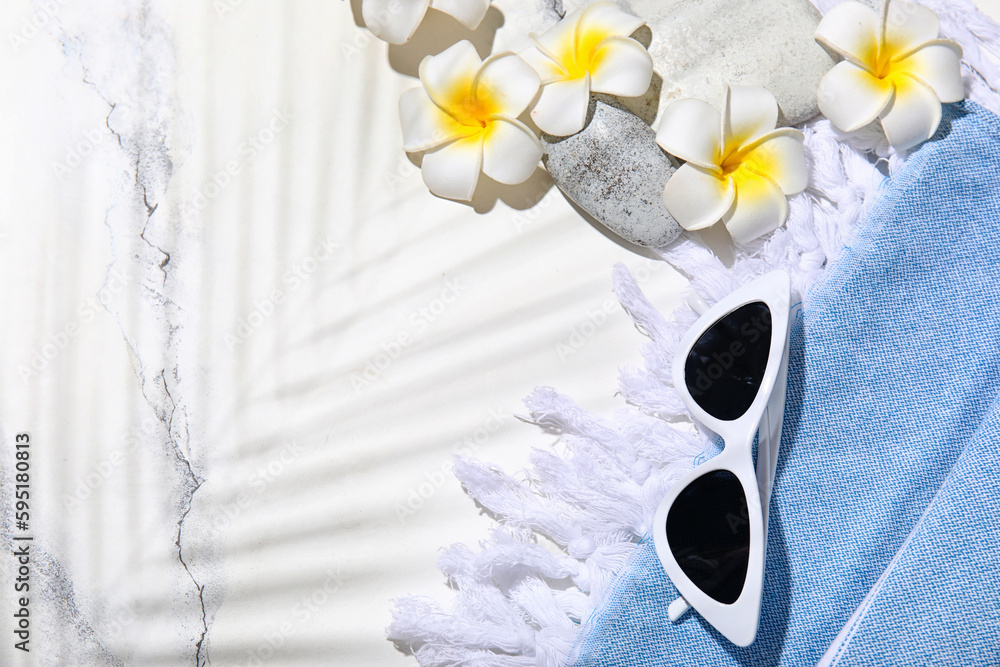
[
  {"x": 588, "y": 50},
  {"x": 395, "y": 21},
  {"x": 464, "y": 120},
  {"x": 894, "y": 67},
  {"x": 738, "y": 168}
]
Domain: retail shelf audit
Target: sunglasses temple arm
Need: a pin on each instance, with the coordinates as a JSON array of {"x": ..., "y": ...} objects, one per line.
[
  {"x": 677, "y": 608},
  {"x": 769, "y": 437},
  {"x": 697, "y": 304}
]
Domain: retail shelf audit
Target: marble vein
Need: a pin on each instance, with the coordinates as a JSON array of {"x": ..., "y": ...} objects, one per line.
[{"x": 141, "y": 51}]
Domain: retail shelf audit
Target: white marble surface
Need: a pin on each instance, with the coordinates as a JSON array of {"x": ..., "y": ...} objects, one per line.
[{"x": 244, "y": 339}]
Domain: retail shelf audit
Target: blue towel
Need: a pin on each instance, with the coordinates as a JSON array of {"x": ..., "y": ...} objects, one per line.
[{"x": 884, "y": 543}]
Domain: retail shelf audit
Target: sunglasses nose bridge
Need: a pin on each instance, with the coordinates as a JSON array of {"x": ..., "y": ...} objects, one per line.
[
  {"x": 739, "y": 459},
  {"x": 735, "y": 436}
]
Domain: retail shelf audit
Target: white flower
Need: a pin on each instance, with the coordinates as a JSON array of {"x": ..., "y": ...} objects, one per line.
[
  {"x": 588, "y": 50},
  {"x": 464, "y": 120},
  {"x": 395, "y": 21},
  {"x": 894, "y": 68},
  {"x": 738, "y": 168}
]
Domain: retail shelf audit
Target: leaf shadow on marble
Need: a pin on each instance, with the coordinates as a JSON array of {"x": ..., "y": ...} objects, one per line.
[{"x": 519, "y": 197}]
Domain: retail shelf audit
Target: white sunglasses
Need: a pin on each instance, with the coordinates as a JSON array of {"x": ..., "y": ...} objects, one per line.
[{"x": 710, "y": 531}]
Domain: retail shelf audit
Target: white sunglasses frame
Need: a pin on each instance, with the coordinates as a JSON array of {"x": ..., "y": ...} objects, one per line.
[{"x": 737, "y": 621}]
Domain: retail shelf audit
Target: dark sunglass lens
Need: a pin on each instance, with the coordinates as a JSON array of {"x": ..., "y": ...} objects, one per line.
[
  {"x": 725, "y": 367},
  {"x": 708, "y": 530}
]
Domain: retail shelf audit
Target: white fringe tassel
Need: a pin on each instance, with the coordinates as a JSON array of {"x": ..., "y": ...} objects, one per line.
[{"x": 566, "y": 525}]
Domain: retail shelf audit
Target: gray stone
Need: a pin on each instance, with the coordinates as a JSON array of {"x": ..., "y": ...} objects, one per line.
[
  {"x": 614, "y": 170},
  {"x": 698, "y": 45}
]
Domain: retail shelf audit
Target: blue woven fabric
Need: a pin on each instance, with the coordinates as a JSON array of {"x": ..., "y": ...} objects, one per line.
[{"x": 884, "y": 545}]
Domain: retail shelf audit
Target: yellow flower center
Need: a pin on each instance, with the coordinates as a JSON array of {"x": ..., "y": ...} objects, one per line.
[
  {"x": 578, "y": 54},
  {"x": 731, "y": 162},
  {"x": 879, "y": 57},
  {"x": 882, "y": 64},
  {"x": 469, "y": 109},
  {"x": 748, "y": 164}
]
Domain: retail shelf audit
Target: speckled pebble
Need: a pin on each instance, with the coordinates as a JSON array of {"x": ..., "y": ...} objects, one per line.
[
  {"x": 698, "y": 45},
  {"x": 614, "y": 170}
]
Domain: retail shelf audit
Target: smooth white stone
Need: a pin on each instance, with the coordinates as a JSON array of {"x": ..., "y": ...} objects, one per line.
[{"x": 699, "y": 45}]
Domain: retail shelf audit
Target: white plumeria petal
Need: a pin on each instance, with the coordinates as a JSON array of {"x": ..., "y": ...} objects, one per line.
[
  {"x": 851, "y": 97},
  {"x": 689, "y": 130},
  {"x": 424, "y": 124},
  {"x": 907, "y": 72},
  {"x": 573, "y": 40},
  {"x": 562, "y": 108},
  {"x": 510, "y": 151},
  {"x": 607, "y": 19},
  {"x": 750, "y": 113},
  {"x": 621, "y": 66},
  {"x": 760, "y": 207},
  {"x": 913, "y": 115},
  {"x": 745, "y": 177},
  {"x": 779, "y": 155},
  {"x": 697, "y": 197},
  {"x": 852, "y": 30},
  {"x": 559, "y": 41},
  {"x": 908, "y": 25},
  {"x": 452, "y": 171},
  {"x": 458, "y": 63},
  {"x": 938, "y": 64},
  {"x": 509, "y": 82},
  {"x": 546, "y": 68},
  {"x": 393, "y": 21},
  {"x": 469, "y": 13}
]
